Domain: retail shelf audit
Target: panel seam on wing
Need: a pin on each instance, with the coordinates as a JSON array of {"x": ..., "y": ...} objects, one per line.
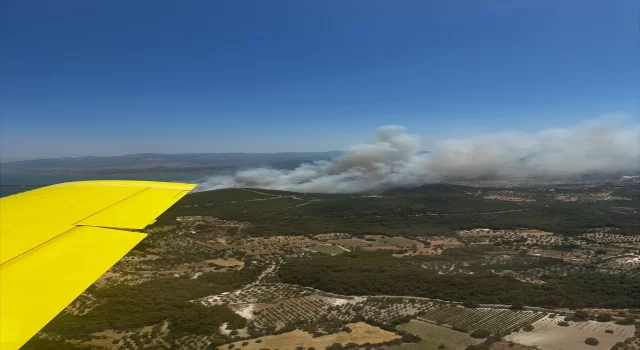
[
  {"x": 37, "y": 245},
  {"x": 77, "y": 223},
  {"x": 183, "y": 193},
  {"x": 115, "y": 228}
]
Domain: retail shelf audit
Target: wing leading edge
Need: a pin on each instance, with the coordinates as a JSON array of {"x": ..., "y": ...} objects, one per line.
[{"x": 57, "y": 240}]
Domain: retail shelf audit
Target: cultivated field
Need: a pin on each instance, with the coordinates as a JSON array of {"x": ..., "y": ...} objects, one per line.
[
  {"x": 612, "y": 238},
  {"x": 361, "y": 333},
  {"x": 257, "y": 293},
  {"x": 503, "y": 345},
  {"x": 433, "y": 336},
  {"x": 548, "y": 335},
  {"x": 328, "y": 249},
  {"x": 490, "y": 232},
  {"x": 494, "y": 320},
  {"x": 226, "y": 262},
  {"x": 509, "y": 198}
]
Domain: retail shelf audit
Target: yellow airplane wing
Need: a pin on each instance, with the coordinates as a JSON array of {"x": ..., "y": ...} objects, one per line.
[{"x": 57, "y": 240}]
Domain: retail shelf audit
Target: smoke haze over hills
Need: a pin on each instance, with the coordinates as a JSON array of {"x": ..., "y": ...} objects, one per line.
[{"x": 393, "y": 159}]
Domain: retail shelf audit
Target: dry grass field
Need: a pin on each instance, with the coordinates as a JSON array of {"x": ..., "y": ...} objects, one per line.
[
  {"x": 488, "y": 232},
  {"x": 361, "y": 333},
  {"x": 229, "y": 262},
  {"x": 503, "y": 345},
  {"x": 509, "y": 198},
  {"x": 432, "y": 336},
  {"x": 548, "y": 335}
]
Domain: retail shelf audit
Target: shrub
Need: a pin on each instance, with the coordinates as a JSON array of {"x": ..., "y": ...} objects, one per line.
[
  {"x": 217, "y": 342},
  {"x": 480, "y": 333},
  {"x": 563, "y": 323},
  {"x": 478, "y": 347},
  {"x": 517, "y": 306},
  {"x": 442, "y": 346},
  {"x": 580, "y": 315},
  {"x": 471, "y": 304},
  {"x": 610, "y": 331},
  {"x": 618, "y": 345},
  {"x": 258, "y": 340},
  {"x": 528, "y": 328},
  {"x": 625, "y": 321},
  {"x": 604, "y": 318},
  {"x": 591, "y": 341},
  {"x": 245, "y": 343},
  {"x": 410, "y": 338}
]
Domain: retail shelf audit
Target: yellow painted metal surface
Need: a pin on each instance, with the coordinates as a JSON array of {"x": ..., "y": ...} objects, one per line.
[
  {"x": 51, "y": 249},
  {"x": 118, "y": 215},
  {"x": 46, "y": 205},
  {"x": 20, "y": 238},
  {"x": 36, "y": 287}
]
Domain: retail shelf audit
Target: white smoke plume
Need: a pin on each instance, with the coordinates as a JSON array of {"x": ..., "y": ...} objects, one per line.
[{"x": 394, "y": 160}]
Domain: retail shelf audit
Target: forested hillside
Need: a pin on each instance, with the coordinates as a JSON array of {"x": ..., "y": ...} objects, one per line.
[
  {"x": 428, "y": 210},
  {"x": 373, "y": 273}
]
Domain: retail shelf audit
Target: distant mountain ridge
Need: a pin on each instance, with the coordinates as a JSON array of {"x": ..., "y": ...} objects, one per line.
[{"x": 165, "y": 162}]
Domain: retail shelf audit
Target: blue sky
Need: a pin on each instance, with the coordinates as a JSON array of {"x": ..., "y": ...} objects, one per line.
[{"x": 114, "y": 77}]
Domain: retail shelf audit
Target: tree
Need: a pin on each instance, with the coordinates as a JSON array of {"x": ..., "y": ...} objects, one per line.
[
  {"x": 471, "y": 304},
  {"x": 217, "y": 342},
  {"x": 580, "y": 315},
  {"x": 442, "y": 346},
  {"x": 591, "y": 341},
  {"x": 528, "y": 328},
  {"x": 478, "y": 347},
  {"x": 480, "y": 333},
  {"x": 517, "y": 306},
  {"x": 604, "y": 318},
  {"x": 625, "y": 321},
  {"x": 410, "y": 338},
  {"x": 618, "y": 345}
]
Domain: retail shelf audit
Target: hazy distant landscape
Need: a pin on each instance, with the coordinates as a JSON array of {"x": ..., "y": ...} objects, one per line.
[
  {"x": 206, "y": 163},
  {"x": 192, "y": 168}
]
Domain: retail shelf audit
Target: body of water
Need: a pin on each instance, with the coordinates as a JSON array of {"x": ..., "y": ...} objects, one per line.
[{"x": 48, "y": 179}]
